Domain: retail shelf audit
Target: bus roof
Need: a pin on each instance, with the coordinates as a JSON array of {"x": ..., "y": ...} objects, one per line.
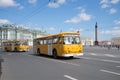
[
  {"x": 15, "y": 41},
  {"x": 59, "y": 34}
]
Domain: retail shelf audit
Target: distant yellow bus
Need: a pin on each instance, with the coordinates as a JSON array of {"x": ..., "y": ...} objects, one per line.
[
  {"x": 15, "y": 45},
  {"x": 65, "y": 44}
]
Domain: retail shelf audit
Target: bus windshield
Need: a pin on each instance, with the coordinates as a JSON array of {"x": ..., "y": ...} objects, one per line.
[{"x": 71, "y": 39}]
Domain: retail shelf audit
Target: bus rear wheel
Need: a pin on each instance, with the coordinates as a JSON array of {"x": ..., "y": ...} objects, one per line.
[
  {"x": 15, "y": 49},
  {"x": 38, "y": 51},
  {"x": 6, "y": 49},
  {"x": 54, "y": 54}
]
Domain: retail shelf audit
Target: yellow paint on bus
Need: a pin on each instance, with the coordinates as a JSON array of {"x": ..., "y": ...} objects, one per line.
[
  {"x": 15, "y": 45},
  {"x": 65, "y": 44}
]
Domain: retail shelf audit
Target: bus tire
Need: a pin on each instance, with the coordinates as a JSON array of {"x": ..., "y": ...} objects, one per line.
[
  {"x": 54, "y": 53},
  {"x": 38, "y": 51},
  {"x": 15, "y": 50},
  {"x": 6, "y": 49}
]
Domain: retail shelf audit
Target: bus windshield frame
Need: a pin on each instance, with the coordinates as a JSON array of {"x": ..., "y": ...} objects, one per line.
[{"x": 71, "y": 39}]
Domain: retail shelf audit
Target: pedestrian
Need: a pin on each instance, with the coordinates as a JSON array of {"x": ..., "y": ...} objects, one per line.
[
  {"x": 118, "y": 47},
  {"x": 108, "y": 46}
]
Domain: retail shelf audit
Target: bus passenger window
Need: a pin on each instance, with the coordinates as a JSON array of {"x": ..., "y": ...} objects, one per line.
[
  {"x": 38, "y": 42},
  {"x": 60, "y": 41},
  {"x": 55, "y": 40},
  {"x": 41, "y": 41},
  {"x": 45, "y": 41}
]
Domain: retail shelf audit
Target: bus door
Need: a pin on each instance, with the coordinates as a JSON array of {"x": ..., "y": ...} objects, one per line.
[
  {"x": 35, "y": 43},
  {"x": 13, "y": 46},
  {"x": 49, "y": 46}
]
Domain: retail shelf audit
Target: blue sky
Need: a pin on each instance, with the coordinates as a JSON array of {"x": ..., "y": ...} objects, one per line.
[{"x": 54, "y": 16}]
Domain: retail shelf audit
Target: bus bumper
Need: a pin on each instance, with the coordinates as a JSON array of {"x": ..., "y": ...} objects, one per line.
[
  {"x": 24, "y": 50},
  {"x": 72, "y": 55}
]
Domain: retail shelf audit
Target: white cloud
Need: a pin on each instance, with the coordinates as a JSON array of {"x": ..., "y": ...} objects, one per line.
[
  {"x": 21, "y": 7},
  {"x": 109, "y": 1},
  {"x": 112, "y": 11},
  {"x": 104, "y": 6},
  {"x": 117, "y": 27},
  {"x": 32, "y": 1},
  {"x": 4, "y": 21},
  {"x": 53, "y": 5},
  {"x": 111, "y": 32},
  {"x": 114, "y": 31},
  {"x": 81, "y": 9},
  {"x": 115, "y": 1},
  {"x": 103, "y": 1},
  {"x": 109, "y": 4},
  {"x": 56, "y": 4},
  {"x": 117, "y": 21},
  {"x": 61, "y": 1},
  {"x": 80, "y": 17},
  {"x": 8, "y": 3},
  {"x": 52, "y": 28}
]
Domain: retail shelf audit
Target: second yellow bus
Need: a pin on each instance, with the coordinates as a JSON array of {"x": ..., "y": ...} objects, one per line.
[{"x": 15, "y": 45}]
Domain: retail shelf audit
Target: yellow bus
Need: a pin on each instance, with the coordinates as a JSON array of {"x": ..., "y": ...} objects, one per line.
[
  {"x": 15, "y": 45},
  {"x": 65, "y": 44}
]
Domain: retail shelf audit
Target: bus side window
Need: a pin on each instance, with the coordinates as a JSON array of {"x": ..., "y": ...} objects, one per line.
[
  {"x": 41, "y": 42},
  {"x": 10, "y": 44},
  {"x": 55, "y": 40},
  {"x": 38, "y": 42},
  {"x": 45, "y": 41},
  {"x": 35, "y": 42}
]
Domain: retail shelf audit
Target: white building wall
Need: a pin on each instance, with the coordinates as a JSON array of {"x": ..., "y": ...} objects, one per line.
[
  {"x": 116, "y": 41},
  {"x": 17, "y": 33},
  {"x": 87, "y": 41},
  {"x": 9, "y": 36}
]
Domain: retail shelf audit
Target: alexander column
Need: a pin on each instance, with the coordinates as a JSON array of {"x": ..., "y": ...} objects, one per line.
[{"x": 96, "y": 35}]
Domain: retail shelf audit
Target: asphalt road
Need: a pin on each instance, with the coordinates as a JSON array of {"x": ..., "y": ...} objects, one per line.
[{"x": 96, "y": 64}]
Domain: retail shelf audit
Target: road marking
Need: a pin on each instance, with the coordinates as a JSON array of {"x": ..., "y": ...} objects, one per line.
[
  {"x": 110, "y": 61},
  {"x": 93, "y": 54},
  {"x": 99, "y": 54},
  {"x": 55, "y": 60},
  {"x": 64, "y": 62},
  {"x": 69, "y": 77},
  {"x": 110, "y": 72},
  {"x": 10, "y": 54},
  {"x": 118, "y": 66},
  {"x": 105, "y": 60},
  {"x": 109, "y": 55}
]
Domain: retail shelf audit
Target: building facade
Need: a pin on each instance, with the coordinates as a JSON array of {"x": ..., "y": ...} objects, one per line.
[
  {"x": 12, "y": 32},
  {"x": 116, "y": 41},
  {"x": 105, "y": 43},
  {"x": 87, "y": 41}
]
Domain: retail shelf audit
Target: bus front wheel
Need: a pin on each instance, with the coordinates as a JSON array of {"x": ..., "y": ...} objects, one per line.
[{"x": 54, "y": 54}]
